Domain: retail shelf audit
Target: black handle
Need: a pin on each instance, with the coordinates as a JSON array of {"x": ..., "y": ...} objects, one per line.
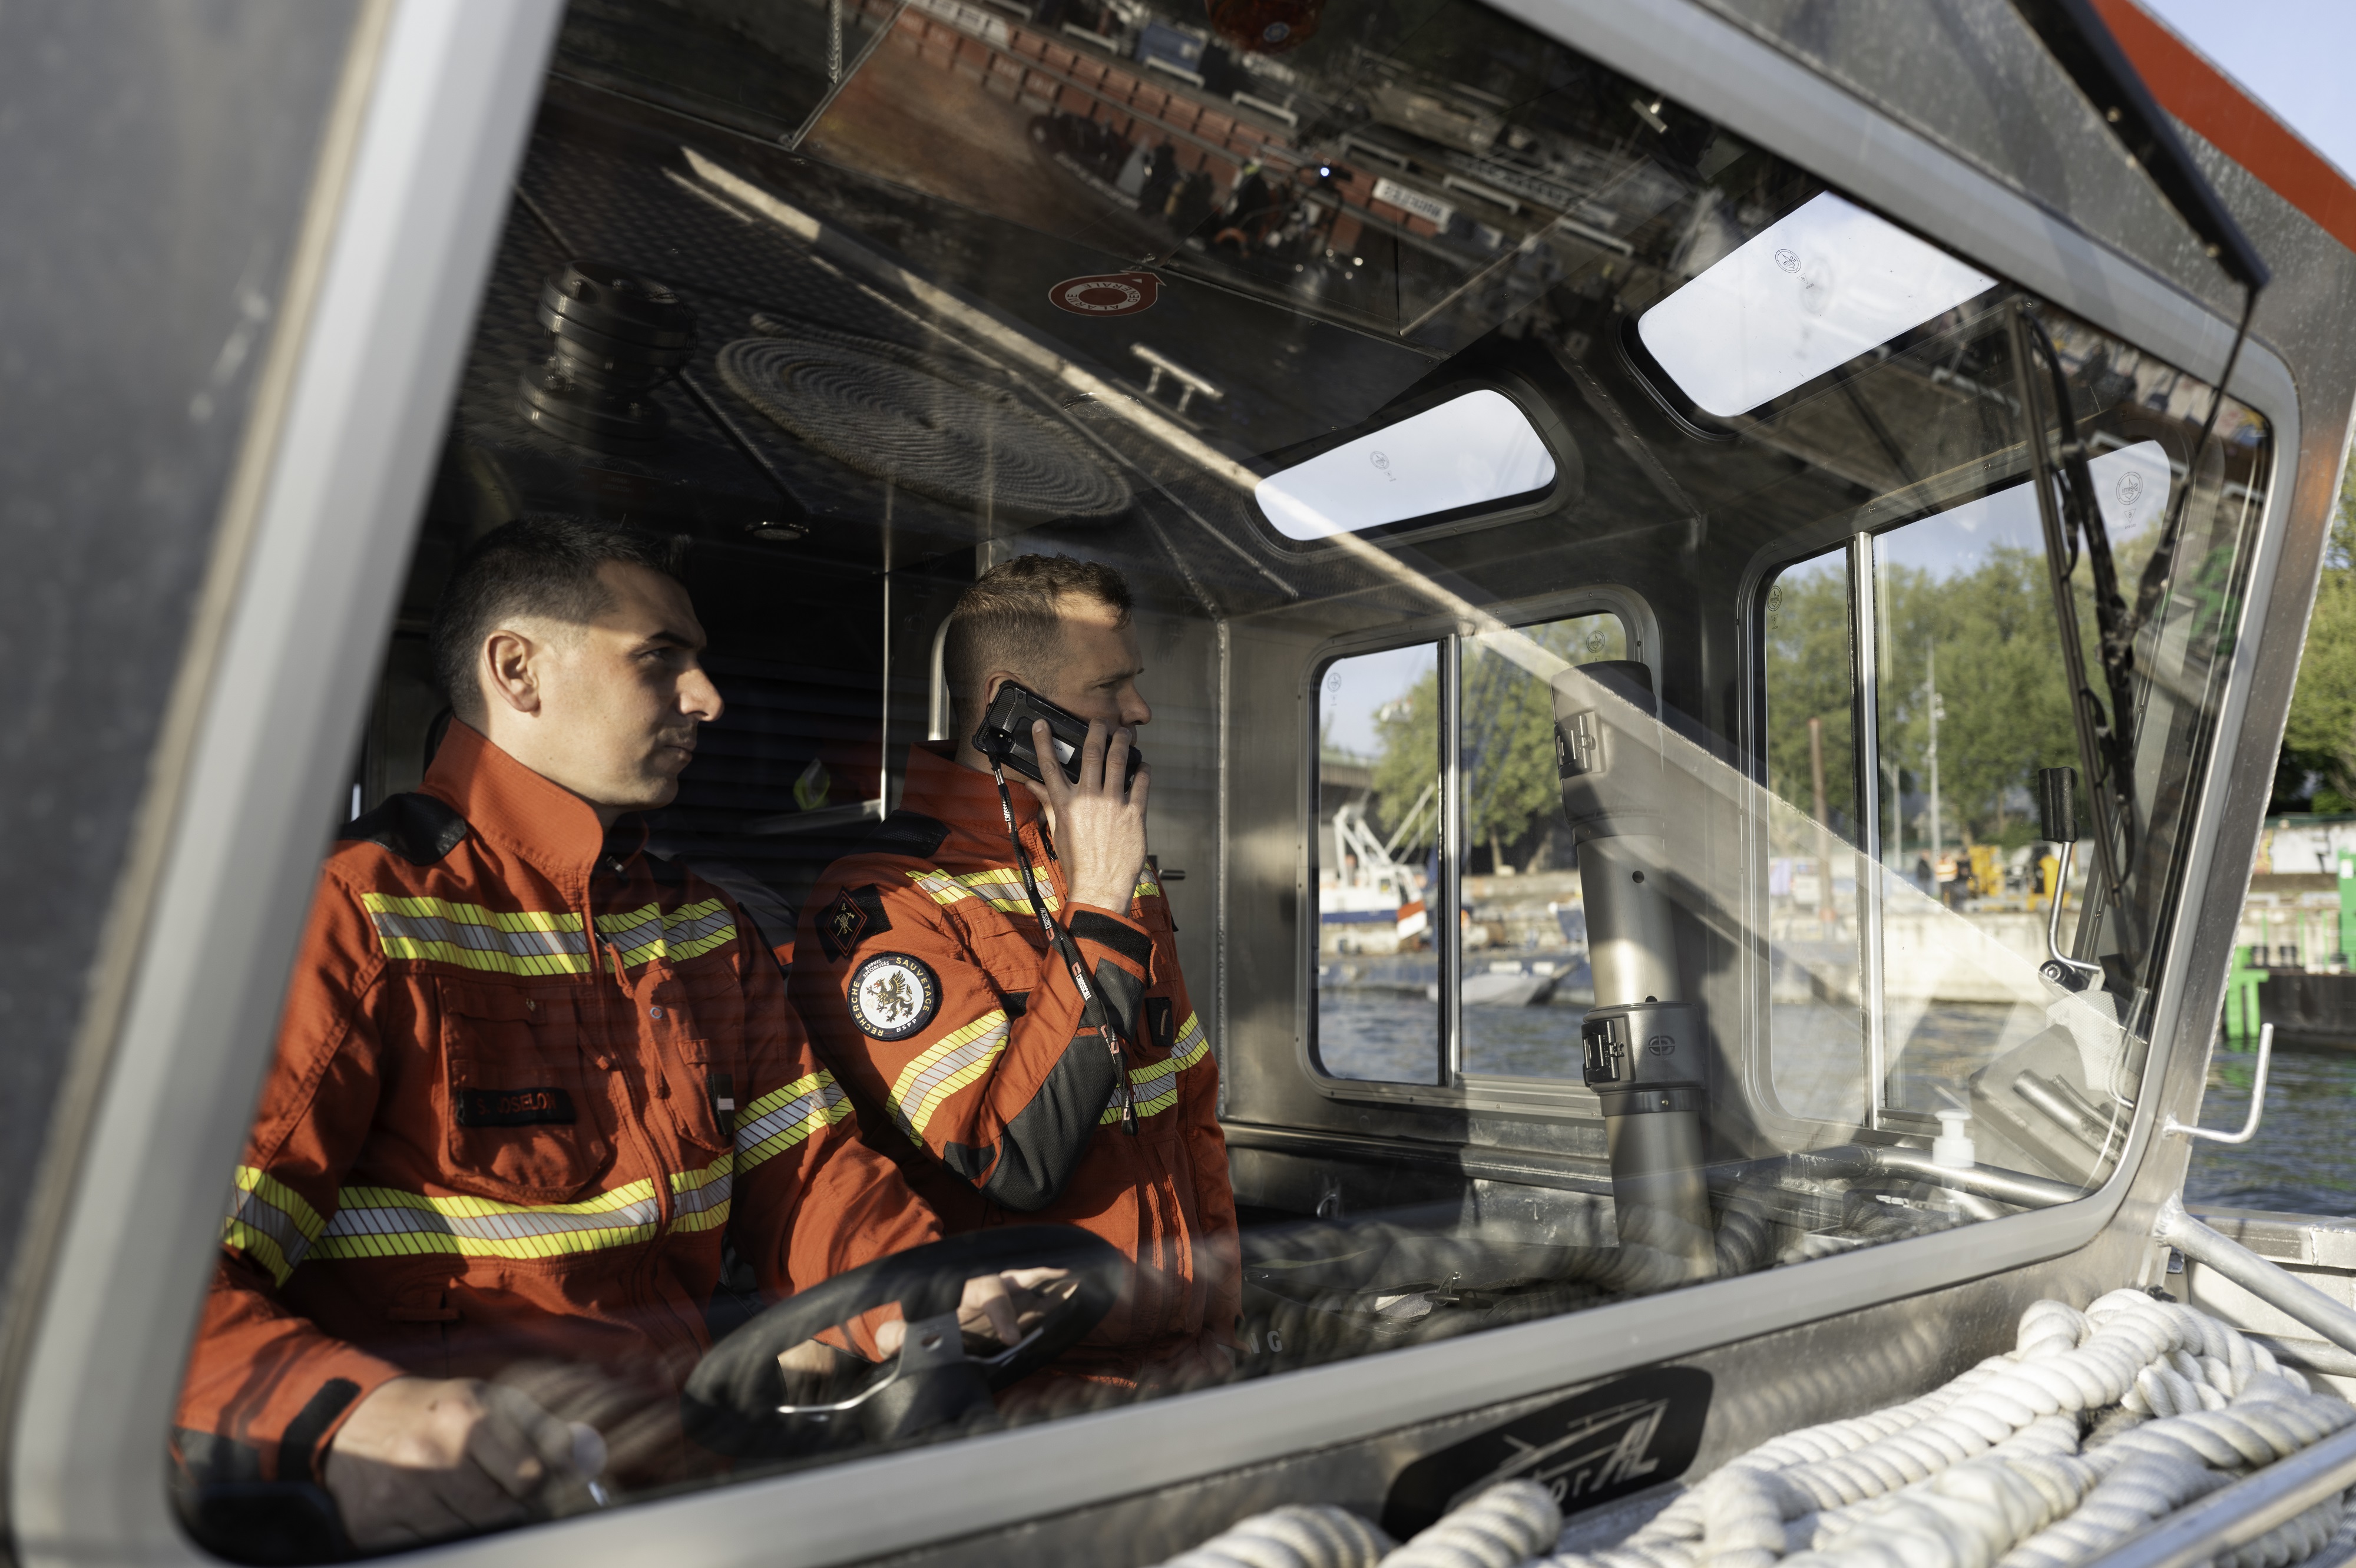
[{"x": 2057, "y": 803}]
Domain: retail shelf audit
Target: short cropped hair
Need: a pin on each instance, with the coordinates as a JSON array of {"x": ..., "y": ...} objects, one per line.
[
  {"x": 1012, "y": 618},
  {"x": 540, "y": 566}
]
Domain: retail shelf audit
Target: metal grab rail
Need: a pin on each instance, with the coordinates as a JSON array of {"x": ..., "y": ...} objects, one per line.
[
  {"x": 2257, "y": 1106},
  {"x": 2240, "y": 1513},
  {"x": 2269, "y": 1281}
]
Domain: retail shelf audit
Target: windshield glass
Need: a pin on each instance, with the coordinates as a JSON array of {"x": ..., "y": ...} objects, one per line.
[{"x": 1581, "y": 588}]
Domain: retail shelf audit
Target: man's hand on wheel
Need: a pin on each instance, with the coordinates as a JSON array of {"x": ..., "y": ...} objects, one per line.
[
  {"x": 995, "y": 1309},
  {"x": 425, "y": 1458},
  {"x": 1099, "y": 830}
]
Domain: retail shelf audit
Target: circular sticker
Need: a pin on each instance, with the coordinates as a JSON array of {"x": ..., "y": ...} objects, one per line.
[
  {"x": 893, "y": 996},
  {"x": 1106, "y": 294}
]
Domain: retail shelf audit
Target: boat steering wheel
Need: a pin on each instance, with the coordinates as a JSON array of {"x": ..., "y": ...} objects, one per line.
[{"x": 734, "y": 1401}]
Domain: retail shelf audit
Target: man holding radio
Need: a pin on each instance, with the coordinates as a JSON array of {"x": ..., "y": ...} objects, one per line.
[{"x": 1016, "y": 1030}]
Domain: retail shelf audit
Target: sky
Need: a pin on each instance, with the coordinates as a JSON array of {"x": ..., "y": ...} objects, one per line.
[{"x": 2293, "y": 56}]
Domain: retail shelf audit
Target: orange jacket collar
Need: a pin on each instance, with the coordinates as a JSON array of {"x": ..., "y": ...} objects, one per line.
[
  {"x": 534, "y": 818},
  {"x": 962, "y": 798}
]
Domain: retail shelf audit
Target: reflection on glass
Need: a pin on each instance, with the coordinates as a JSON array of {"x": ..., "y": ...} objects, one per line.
[
  {"x": 1470, "y": 451},
  {"x": 1378, "y": 837},
  {"x": 1972, "y": 702},
  {"x": 1811, "y": 290},
  {"x": 1003, "y": 300},
  {"x": 1816, "y": 1003},
  {"x": 1524, "y": 977}
]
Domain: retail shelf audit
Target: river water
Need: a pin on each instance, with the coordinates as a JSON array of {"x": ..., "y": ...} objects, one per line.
[{"x": 2303, "y": 1160}]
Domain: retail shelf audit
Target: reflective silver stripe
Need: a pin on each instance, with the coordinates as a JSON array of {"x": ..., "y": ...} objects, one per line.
[
  {"x": 792, "y": 1114},
  {"x": 709, "y": 924},
  {"x": 269, "y": 1222},
  {"x": 650, "y": 931},
  {"x": 945, "y": 1066},
  {"x": 477, "y": 939},
  {"x": 639, "y": 929},
  {"x": 713, "y": 1194},
  {"x": 383, "y": 1222},
  {"x": 784, "y": 1117}
]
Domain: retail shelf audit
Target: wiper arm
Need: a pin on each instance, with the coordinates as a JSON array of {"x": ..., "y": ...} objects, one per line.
[
  {"x": 2073, "y": 32},
  {"x": 2104, "y": 748}
]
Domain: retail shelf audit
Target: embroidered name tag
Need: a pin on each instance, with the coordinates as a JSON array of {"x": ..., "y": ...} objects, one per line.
[{"x": 513, "y": 1107}]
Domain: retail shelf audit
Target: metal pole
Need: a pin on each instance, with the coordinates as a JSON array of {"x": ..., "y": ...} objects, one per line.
[
  {"x": 1930, "y": 685},
  {"x": 1826, "y": 915},
  {"x": 2270, "y": 1283}
]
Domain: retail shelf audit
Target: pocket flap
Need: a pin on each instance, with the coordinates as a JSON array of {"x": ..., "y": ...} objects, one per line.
[{"x": 493, "y": 1002}]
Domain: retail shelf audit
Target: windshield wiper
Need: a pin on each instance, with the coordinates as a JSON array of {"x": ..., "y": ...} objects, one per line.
[
  {"x": 2074, "y": 33},
  {"x": 2079, "y": 42},
  {"x": 2105, "y": 742}
]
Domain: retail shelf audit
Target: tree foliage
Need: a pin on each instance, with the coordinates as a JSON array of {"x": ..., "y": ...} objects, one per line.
[
  {"x": 1505, "y": 735},
  {"x": 2320, "y": 738}
]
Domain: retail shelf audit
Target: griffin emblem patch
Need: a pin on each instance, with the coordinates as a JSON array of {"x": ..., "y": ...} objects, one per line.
[
  {"x": 893, "y": 996},
  {"x": 856, "y": 914}
]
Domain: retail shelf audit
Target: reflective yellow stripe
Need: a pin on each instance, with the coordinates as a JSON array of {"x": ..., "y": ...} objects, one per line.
[
  {"x": 652, "y": 931},
  {"x": 1146, "y": 886},
  {"x": 944, "y": 1069},
  {"x": 503, "y": 941},
  {"x": 1000, "y": 887},
  {"x": 700, "y": 1199},
  {"x": 270, "y": 1222},
  {"x": 1156, "y": 1083},
  {"x": 942, "y": 887},
  {"x": 388, "y": 1222},
  {"x": 784, "y": 1117}
]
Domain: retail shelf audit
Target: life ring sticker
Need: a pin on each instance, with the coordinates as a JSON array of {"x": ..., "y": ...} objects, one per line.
[{"x": 1107, "y": 293}]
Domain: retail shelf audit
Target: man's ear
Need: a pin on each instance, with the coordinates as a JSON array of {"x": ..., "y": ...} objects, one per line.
[
  {"x": 511, "y": 670},
  {"x": 990, "y": 685}
]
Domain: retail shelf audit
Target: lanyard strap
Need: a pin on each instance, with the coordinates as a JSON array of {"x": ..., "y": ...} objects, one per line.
[{"x": 1092, "y": 1007}]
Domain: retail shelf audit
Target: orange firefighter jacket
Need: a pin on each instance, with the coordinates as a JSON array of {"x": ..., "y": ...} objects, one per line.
[
  {"x": 527, "y": 1079},
  {"x": 928, "y": 986}
]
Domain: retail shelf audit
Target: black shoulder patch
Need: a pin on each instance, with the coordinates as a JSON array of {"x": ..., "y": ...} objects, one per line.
[
  {"x": 911, "y": 833},
  {"x": 856, "y": 914},
  {"x": 418, "y": 828}
]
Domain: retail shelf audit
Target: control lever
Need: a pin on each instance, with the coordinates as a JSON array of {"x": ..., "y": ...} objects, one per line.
[{"x": 2057, "y": 813}]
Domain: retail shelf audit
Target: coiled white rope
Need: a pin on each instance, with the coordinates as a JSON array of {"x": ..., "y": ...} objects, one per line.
[
  {"x": 2095, "y": 1424},
  {"x": 1504, "y": 1527}
]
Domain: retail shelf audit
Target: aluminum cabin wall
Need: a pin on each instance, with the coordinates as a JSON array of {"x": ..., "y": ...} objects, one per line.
[{"x": 159, "y": 161}]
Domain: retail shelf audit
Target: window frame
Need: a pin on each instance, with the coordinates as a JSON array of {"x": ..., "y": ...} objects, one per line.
[
  {"x": 1452, "y": 1088},
  {"x": 1856, "y": 533},
  {"x": 105, "y": 1331}
]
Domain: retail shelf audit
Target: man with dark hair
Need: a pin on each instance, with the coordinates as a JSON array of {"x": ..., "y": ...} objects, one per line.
[
  {"x": 934, "y": 985},
  {"x": 528, "y": 1079}
]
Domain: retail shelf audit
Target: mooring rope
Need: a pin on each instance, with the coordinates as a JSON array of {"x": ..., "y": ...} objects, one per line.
[{"x": 2095, "y": 1424}]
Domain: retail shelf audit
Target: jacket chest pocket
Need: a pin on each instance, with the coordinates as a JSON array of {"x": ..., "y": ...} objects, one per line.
[
  {"x": 695, "y": 1021},
  {"x": 1016, "y": 966},
  {"x": 520, "y": 1116}
]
